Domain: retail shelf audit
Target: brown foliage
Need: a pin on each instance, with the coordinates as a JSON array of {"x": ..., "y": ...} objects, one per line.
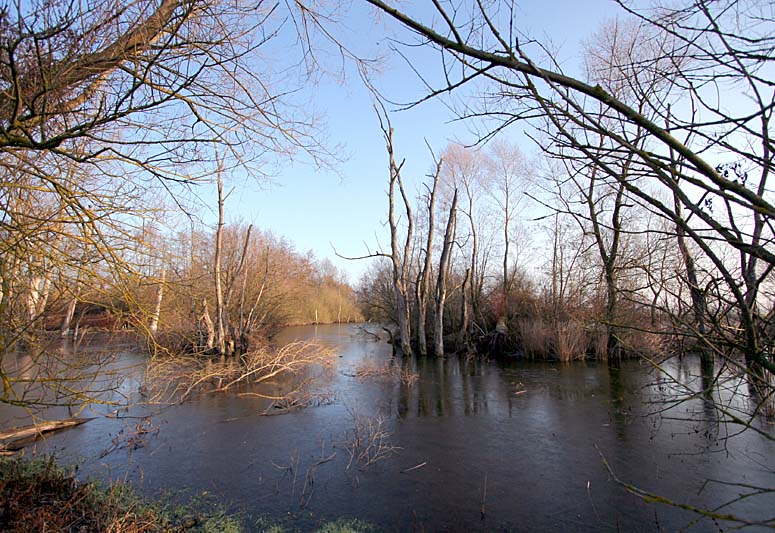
[{"x": 40, "y": 497}]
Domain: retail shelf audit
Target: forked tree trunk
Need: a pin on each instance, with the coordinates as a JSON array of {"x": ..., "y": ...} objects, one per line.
[
  {"x": 441, "y": 283},
  {"x": 423, "y": 280},
  {"x": 208, "y": 323}
]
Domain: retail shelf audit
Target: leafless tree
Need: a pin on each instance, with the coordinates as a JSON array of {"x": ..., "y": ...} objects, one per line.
[
  {"x": 443, "y": 275},
  {"x": 423, "y": 289}
]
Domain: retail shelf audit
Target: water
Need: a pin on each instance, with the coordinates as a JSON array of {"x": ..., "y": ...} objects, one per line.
[{"x": 483, "y": 446}]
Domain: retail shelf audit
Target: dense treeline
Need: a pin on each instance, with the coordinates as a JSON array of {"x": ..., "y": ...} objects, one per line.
[
  {"x": 167, "y": 284},
  {"x": 266, "y": 284},
  {"x": 525, "y": 277}
]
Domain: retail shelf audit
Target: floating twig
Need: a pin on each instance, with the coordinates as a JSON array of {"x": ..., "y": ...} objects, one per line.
[{"x": 415, "y": 467}]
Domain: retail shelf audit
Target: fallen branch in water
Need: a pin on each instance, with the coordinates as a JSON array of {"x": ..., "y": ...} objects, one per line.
[
  {"x": 714, "y": 514},
  {"x": 377, "y": 338},
  {"x": 176, "y": 378},
  {"x": 415, "y": 467},
  {"x": 22, "y": 436}
]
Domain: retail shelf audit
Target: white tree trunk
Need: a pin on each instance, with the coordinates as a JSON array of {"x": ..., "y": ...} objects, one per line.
[
  {"x": 154, "y": 325},
  {"x": 68, "y": 318}
]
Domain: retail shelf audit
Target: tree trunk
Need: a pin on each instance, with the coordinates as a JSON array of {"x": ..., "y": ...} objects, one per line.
[
  {"x": 613, "y": 348},
  {"x": 399, "y": 261},
  {"x": 220, "y": 337},
  {"x": 423, "y": 281},
  {"x": 33, "y": 297},
  {"x": 506, "y": 242},
  {"x": 44, "y": 294},
  {"x": 154, "y": 325},
  {"x": 205, "y": 318},
  {"x": 68, "y": 318},
  {"x": 474, "y": 287},
  {"x": 464, "y": 315},
  {"x": 441, "y": 284},
  {"x": 699, "y": 302}
]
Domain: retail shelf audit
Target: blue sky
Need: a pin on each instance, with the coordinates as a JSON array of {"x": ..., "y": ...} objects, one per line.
[{"x": 315, "y": 209}]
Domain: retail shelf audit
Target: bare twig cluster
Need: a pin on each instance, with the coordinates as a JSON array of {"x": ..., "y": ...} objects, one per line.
[{"x": 369, "y": 441}]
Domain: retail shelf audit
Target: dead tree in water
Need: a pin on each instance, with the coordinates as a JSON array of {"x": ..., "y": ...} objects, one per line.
[
  {"x": 423, "y": 279},
  {"x": 441, "y": 284},
  {"x": 399, "y": 258},
  {"x": 228, "y": 338}
]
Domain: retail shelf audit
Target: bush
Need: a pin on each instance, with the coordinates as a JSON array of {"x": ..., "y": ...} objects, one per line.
[{"x": 38, "y": 496}]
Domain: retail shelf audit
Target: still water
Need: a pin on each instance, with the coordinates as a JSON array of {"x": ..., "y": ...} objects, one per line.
[{"x": 468, "y": 445}]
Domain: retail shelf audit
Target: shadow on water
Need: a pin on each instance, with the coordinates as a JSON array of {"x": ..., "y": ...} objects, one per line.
[{"x": 484, "y": 445}]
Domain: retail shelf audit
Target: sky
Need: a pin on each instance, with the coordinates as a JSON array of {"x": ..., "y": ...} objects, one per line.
[{"x": 345, "y": 209}]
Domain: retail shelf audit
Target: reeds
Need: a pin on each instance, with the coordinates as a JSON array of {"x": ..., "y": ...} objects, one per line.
[
  {"x": 565, "y": 341},
  {"x": 386, "y": 372}
]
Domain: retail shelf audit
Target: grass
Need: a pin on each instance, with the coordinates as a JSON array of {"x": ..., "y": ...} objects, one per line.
[{"x": 38, "y": 495}]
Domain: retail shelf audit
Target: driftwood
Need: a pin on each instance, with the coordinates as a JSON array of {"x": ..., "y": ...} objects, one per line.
[
  {"x": 15, "y": 439},
  {"x": 367, "y": 332},
  {"x": 392, "y": 341}
]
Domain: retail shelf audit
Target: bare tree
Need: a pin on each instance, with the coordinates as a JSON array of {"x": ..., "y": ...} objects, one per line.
[
  {"x": 465, "y": 171},
  {"x": 105, "y": 108},
  {"x": 441, "y": 282},
  {"x": 400, "y": 257},
  {"x": 508, "y": 184},
  {"x": 423, "y": 278}
]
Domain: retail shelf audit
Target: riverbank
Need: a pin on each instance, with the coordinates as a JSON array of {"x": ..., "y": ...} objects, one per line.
[{"x": 39, "y": 495}]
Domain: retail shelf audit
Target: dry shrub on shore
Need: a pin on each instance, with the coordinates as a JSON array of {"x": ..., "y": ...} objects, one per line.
[
  {"x": 177, "y": 377},
  {"x": 536, "y": 336},
  {"x": 39, "y": 496},
  {"x": 639, "y": 341}
]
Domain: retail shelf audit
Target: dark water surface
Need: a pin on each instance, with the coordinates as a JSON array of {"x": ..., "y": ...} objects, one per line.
[{"x": 503, "y": 446}]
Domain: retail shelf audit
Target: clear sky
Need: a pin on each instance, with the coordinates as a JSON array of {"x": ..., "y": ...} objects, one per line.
[{"x": 316, "y": 209}]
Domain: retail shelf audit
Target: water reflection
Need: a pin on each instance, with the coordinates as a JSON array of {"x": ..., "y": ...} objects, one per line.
[{"x": 534, "y": 431}]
